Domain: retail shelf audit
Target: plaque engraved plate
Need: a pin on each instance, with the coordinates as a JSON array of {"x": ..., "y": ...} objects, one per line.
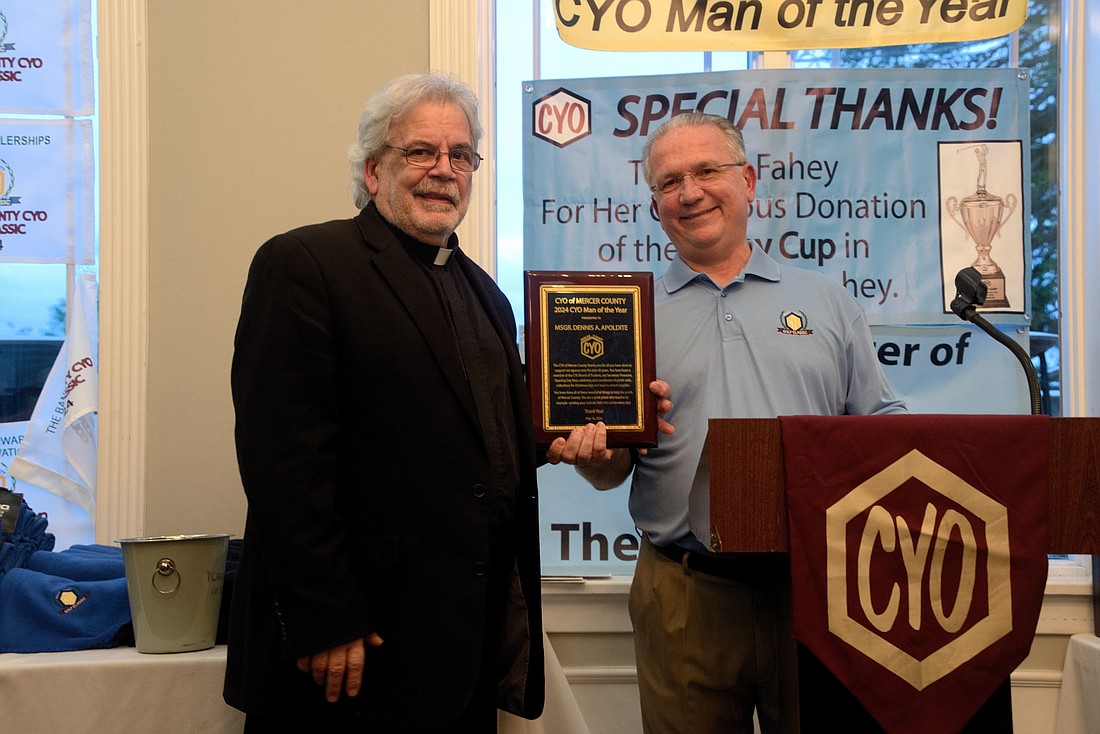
[{"x": 589, "y": 349}]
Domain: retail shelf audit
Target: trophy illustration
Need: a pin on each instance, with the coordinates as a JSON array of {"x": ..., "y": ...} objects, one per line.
[{"x": 981, "y": 215}]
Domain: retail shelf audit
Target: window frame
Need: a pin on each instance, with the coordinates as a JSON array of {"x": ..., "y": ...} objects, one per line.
[{"x": 462, "y": 42}]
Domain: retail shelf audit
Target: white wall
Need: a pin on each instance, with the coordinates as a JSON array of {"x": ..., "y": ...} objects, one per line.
[{"x": 250, "y": 107}]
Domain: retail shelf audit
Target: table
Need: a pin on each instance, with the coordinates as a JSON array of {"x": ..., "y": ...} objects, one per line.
[
  {"x": 118, "y": 690},
  {"x": 1079, "y": 699},
  {"x": 123, "y": 691}
]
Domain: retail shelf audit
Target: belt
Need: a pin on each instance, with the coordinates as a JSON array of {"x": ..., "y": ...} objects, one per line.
[{"x": 754, "y": 569}]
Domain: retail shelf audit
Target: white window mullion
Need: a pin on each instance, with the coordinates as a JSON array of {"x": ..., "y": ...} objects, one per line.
[
  {"x": 461, "y": 38},
  {"x": 124, "y": 272}
]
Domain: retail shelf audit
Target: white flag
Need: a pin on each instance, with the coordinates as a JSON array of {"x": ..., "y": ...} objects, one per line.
[
  {"x": 58, "y": 452},
  {"x": 47, "y": 51}
]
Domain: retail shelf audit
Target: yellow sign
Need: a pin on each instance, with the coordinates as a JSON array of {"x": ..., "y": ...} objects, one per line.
[{"x": 773, "y": 25}]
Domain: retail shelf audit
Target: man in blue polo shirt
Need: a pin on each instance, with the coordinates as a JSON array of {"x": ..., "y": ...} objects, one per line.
[{"x": 738, "y": 336}]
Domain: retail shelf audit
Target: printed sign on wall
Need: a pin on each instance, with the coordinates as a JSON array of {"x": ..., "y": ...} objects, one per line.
[
  {"x": 872, "y": 177},
  {"x": 888, "y": 181}
]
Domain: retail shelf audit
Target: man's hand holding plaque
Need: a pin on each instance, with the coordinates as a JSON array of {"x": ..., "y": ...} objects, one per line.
[{"x": 586, "y": 448}]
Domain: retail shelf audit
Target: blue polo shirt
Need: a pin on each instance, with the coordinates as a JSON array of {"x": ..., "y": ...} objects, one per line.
[{"x": 777, "y": 340}]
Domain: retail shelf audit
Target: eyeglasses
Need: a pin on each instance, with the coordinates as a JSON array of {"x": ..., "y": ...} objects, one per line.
[
  {"x": 462, "y": 159},
  {"x": 703, "y": 177}
]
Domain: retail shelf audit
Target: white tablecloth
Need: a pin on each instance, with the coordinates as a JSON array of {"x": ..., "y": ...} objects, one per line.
[
  {"x": 1079, "y": 699},
  {"x": 123, "y": 691},
  {"x": 118, "y": 690},
  {"x": 562, "y": 715}
]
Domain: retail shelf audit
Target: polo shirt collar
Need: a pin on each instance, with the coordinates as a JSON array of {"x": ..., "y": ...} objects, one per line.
[{"x": 759, "y": 266}]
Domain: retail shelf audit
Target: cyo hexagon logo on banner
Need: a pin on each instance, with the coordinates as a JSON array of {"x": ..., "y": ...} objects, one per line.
[
  {"x": 924, "y": 549},
  {"x": 562, "y": 117}
]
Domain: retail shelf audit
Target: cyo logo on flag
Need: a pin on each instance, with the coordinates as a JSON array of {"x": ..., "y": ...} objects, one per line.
[
  {"x": 562, "y": 117},
  {"x": 947, "y": 582}
]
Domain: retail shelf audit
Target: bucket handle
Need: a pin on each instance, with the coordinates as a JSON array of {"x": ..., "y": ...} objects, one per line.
[{"x": 166, "y": 569}]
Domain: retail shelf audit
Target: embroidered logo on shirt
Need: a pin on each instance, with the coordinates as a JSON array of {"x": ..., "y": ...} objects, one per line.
[{"x": 794, "y": 322}]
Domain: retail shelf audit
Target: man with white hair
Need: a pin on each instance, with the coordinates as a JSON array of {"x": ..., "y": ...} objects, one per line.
[{"x": 389, "y": 577}]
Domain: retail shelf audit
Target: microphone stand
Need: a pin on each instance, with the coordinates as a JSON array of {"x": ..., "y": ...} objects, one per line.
[{"x": 970, "y": 293}]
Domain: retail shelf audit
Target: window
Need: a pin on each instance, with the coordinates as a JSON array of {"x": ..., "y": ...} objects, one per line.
[
  {"x": 527, "y": 49},
  {"x": 32, "y": 327},
  {"x": 34, "y": 297},
  {"x": 1035, "y": 48}
]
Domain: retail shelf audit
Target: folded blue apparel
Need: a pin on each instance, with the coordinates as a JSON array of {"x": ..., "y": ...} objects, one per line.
[
  {"x": 56, "y": 602},
  {"x": 28, "y": 536},
  {"x": 80, "y": 563},
  {"x": 45, "y": 613}
]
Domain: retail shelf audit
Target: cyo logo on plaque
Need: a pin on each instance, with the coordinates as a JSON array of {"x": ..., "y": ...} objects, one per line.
[{"x": 592, "y": 347}]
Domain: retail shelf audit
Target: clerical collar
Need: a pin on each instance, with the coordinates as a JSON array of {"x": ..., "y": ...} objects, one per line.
[{"x": 423, "y": 252}]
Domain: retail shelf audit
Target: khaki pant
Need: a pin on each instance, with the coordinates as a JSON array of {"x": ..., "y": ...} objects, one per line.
[{"x": 710, "y": 651}]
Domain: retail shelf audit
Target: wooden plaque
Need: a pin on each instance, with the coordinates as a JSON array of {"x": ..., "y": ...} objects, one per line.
[{"x": 590, "y": 354}]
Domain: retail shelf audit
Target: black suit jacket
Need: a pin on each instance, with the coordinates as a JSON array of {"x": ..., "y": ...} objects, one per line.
[{"x": 364, "y": 465}]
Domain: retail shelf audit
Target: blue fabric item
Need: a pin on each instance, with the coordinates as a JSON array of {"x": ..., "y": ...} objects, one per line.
[
  {"x": 40, "y": 612},
  {"x": 75, "y": 599},
  {"x": 80, "y": 563},
  {"x": 28, "y": 536}
]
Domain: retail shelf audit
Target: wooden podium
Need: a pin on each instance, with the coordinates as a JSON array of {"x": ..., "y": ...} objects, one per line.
[
  {"x": 748, "y": 498},
  {"x": 748, "y": 513}
]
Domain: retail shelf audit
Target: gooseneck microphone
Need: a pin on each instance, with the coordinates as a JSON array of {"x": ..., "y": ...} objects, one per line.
[{"x": 970, "y": 293}]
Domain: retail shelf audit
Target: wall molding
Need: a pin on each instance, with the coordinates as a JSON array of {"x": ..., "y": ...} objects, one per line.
[
  {"x": 461, "y": 39},
  {"x": 124, "y": 270}
]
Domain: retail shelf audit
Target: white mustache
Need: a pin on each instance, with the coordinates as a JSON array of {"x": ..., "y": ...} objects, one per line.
[{"x": 451, "y": 192}]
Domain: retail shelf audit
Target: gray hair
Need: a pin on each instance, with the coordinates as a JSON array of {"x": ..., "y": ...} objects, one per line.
[
  {"x": 735, "y": 141},
  {"x": 392, "y": 102}
]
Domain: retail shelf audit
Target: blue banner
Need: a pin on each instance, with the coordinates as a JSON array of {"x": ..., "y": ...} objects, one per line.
[
  {"x": 864, "y": 175},
  {"x": 888, "y": 181}
]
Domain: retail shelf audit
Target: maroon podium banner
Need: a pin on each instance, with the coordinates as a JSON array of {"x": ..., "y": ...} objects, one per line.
[{"x": 918, "y": 556}]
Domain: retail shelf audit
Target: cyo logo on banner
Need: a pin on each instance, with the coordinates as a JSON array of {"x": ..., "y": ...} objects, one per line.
[
  {"x": 924, "y": 553},
  {"x": 562, "y": 117}
]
